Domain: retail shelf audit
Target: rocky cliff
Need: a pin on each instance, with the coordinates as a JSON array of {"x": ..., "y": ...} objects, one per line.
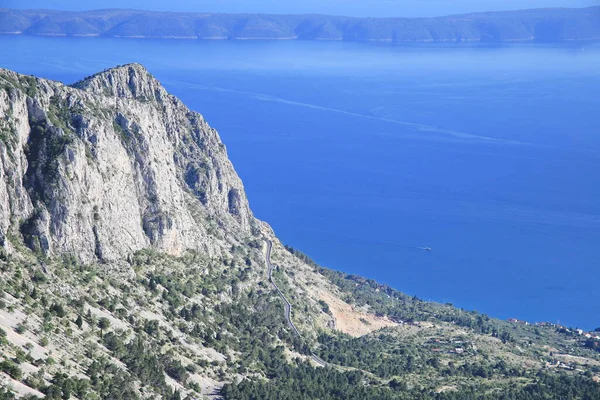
[{"x": 110, "y": 165}]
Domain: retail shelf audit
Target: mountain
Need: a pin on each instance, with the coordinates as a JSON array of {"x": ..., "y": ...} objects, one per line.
[
  {"x": 537, "y": 25},
  {"x": 127, "y": 147},
  {"x": 131, "y": 266}
]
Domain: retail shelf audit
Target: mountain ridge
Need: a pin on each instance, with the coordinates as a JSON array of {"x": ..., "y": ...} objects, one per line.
[
  {"x": 533, "y": 25},
  {"x": 120, "y": 131}
]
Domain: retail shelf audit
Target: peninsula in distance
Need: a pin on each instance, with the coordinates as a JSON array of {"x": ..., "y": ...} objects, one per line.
[{"x": 550, "y": 25}]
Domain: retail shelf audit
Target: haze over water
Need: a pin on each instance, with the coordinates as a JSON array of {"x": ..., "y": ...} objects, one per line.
[{"x": 360, "y": 155}]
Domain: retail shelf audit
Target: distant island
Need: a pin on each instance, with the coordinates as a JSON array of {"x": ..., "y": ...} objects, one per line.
[{"x": 550, "y": 25}]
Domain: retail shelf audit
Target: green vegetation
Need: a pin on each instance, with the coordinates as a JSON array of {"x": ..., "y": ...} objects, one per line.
[
  {"x": 122, "y": 133},
  {"x": 11, "y": 368},
  {"x": 246, "y": 326},
  {"x": 30, "y": 85},
  {"x": 186, "y": 290},
  {"x": 303, "y": 382}
]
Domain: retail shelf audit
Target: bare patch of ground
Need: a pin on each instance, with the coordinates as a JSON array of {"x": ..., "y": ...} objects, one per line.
[
  {"x": 17, "y": 339},
  {"x": 114, "y": 322},
  {"x": 446, "y": 388},
  {"x": 210, "y": 387},
  {"x": 567, "y": 358},
  {"x": 348, "y": 319},
  {"x": 19, "y": 388}
]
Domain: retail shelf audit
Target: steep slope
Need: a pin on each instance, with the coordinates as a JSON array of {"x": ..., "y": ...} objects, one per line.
[
  {"x": 118, "y": 202},
  {"x": 541, "y": 25},
  {"x": 112, "y": 165},
  {"x": 132, "y": 267}
]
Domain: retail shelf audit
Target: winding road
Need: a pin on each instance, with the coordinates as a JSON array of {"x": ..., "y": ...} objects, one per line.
[{"x": 287, "y": 305}]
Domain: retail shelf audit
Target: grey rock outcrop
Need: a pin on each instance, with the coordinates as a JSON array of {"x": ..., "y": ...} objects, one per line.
[{"x": 111, "y": 165}]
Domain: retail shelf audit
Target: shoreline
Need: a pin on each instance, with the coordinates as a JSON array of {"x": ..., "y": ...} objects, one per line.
[{"x": 316, "y": 39}]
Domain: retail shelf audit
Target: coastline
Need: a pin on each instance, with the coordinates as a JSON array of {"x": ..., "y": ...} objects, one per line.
[{"x": 530, "y": 39}]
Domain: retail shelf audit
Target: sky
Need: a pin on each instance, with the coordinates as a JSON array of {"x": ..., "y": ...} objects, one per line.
[{"x": 366, "y": 8}]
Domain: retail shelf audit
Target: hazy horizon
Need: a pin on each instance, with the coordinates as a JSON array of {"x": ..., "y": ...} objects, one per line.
[{"x": 359, "y": 8}]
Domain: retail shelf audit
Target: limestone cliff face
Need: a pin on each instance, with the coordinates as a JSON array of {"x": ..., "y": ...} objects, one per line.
[{"x": 111, "y": 165}]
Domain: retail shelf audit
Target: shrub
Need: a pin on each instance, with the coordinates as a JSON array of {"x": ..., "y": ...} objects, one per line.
[
  {"x": 58, "y": 309},
  {"x": 12, "y": 369}
]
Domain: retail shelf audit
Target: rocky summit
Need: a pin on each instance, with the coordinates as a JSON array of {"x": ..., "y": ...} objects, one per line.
[
  {"x": 132, "y": 267},
  {"x": 111, "y": 165}
]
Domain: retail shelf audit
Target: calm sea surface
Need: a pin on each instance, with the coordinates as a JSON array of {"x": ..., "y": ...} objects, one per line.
[{"x": 360, "y": 155}]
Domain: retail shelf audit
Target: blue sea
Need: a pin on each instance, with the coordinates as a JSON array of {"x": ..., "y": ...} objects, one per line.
[{"x": 361, "y": 155}]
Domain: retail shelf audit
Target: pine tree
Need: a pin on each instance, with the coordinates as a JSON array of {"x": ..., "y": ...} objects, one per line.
[{"x": 79, "y": 321}]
